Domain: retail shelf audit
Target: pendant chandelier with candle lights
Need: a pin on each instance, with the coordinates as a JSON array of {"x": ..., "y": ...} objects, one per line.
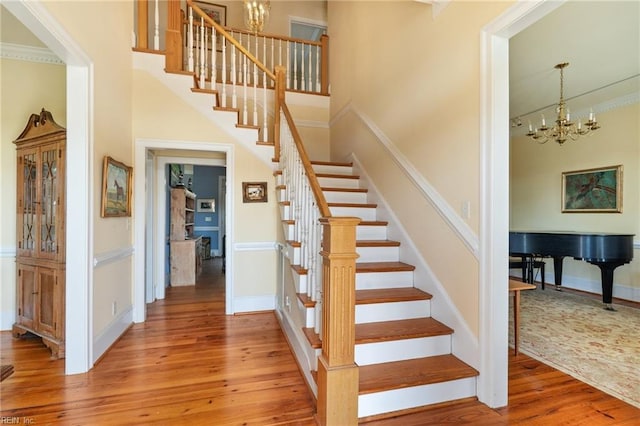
[
  {"x": 256, "y": 14},
  {"x": 563, "y": 128}
]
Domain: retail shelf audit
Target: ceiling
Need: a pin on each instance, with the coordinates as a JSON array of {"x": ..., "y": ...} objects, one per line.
[
  {"x": 599, "y": 39},
  {"x": 601, "y": 42}
]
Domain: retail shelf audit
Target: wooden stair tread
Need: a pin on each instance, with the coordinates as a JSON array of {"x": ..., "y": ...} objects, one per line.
[
  {"x": 413, "y": 372},
  {"x": 299, "y": 269},
  {"x": 361, "y": 205},
  {"x": 306, "y": 300},
  {"x": 336, "y": 175},
  {"x": 377, "y": 243},
  {"x": 399, "y": 330},
  {"x": 206, "y": 91},
  {"x": 363, "y": 267},
  {"x": 331, "y": 163},
  {"x": 384, "y": 295},
  {"x": 337, "y": 189},
  {"x": 373, "y": 223},
  {"x": 312, "y": 337}
]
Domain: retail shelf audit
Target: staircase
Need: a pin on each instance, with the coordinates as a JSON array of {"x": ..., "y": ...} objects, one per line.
[{"x": 404, "y": 355}]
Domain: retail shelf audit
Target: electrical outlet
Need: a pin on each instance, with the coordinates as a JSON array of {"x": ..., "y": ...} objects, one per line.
[{"x": 208, "y": 219}]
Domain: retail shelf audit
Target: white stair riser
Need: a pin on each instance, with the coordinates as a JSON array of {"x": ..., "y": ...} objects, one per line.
[
  {"x": 374, "y": 280},
  {"x": 378, "y": 254},
  {"x": 345, "y": 197},
  {"x": 366, "y": 232},
  {"x": 289, "y": 233},
  {"x": 338, "y": 182},
  {"x": 293, "y": 254},
  {"x": 417, "y": 396},
  {"x": 364, "y": 213},
  {"x": 333, "y": 169},
  {"x": 391, "y": 311},
  {"x": 398, "y": 350},
  {"x": 285, "y": 211},
  {"x": 309, "y": 315},
  {"x": 281, "y": 195},
  {"x": 300, "y": 282}
]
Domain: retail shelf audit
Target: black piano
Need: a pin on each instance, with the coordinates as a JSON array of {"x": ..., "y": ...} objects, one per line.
[{"x": 606, "y": 251}]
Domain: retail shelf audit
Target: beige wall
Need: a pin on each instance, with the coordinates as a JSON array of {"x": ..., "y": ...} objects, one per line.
[
  {"x": 417, "y": 78},
  {"x": 27, "y": 87},
  {"x": 536, "y": 182}
]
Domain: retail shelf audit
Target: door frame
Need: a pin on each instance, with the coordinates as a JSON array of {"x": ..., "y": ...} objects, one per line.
[{"x": 142, "y": 148}]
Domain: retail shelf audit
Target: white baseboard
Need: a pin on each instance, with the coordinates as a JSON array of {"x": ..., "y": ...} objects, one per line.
[
  {"x": 254, "y": 303},
  {"x": 112, "y": 333},
  {"x": 589, "y": 286}
]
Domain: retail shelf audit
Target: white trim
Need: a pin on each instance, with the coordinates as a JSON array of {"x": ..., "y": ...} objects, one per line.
[
  {"x": 79, "y": 235},
  {"x": 206, "y": 228},
  {"x": 7, "y": 252},
  {"x": 112, "y": 256},
  {"x": 112, "y": 332},
  {"x": 21, "y": 52},
  {"x": 256, "y": 246},
  {"x": 446, "y": 212},
  {"x": 494, "y": 194},
  {"x": 141, "y": 147}
]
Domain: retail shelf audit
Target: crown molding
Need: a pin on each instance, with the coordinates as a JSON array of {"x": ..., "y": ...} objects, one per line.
[
  {"x": 437, "y": 6},
  {"x": 28, "y": 53}
]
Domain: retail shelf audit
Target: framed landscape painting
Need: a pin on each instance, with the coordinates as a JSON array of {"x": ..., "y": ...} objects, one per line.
[{"x": 592, "y": 190}]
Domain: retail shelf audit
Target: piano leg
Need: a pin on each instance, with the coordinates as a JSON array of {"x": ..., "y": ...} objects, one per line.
[
  {"x": 606, "y": 274},
  {"x": 557, "y": 271}
]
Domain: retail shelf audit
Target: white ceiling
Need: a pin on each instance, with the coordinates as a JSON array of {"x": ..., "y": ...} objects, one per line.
[{"x": 601, "y": 42}]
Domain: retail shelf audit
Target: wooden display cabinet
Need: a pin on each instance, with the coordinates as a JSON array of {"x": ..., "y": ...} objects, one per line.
[
  {"x": 40, "y": 251},
  {"x": 185, "y": 258}
]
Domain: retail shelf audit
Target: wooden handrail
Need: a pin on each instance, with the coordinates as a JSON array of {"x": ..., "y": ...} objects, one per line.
[
  {"x": 220, "y": 30},
  {"x": 313, "y": 179}
]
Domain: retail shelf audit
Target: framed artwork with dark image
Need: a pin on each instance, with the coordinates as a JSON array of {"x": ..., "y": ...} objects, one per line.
[
  {"x": 116, "y": 188},
  {"x": 254, "y": 192},
  {"x": 206, "y": 205},
  {"x": 592, "y": 190}
]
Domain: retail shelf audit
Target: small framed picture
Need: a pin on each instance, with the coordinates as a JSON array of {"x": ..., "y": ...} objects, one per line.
[
  {"x": 254, "y": 192},
  {"x": 206, "y": 205},
  {"x": 116, "y": 188}
]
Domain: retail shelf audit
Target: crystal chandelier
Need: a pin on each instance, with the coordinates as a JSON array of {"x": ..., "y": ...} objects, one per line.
[
  {"x": 256, "y": 14},
  {"x": 564, "y": 128}
]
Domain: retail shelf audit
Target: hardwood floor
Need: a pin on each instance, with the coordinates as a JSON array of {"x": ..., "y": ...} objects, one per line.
[{"x": 190, "y": 363}]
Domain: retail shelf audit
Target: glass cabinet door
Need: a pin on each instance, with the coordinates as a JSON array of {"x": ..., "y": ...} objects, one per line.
[
  {"x": 27, "y": 202},
  {"x": 48, "y": 244}
]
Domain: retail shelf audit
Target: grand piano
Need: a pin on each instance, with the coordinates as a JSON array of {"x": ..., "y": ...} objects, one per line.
[{"x": 606, "y": 251}]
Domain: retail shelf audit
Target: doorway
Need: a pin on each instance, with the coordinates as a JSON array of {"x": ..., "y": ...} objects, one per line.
[{"x": 183, "y": 152}]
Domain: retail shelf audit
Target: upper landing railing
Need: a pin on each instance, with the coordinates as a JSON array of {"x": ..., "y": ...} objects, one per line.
[{"x": 305, "y": 61}]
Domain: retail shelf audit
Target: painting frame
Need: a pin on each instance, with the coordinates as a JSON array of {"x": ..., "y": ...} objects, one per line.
[
  {"x": 217, "y": 12},
  {"x": 254, "y": 192},
  {"x": 117, "y": 180},
  {"x": 596, "y": 190},
  {"x": 206, "y": 205}
]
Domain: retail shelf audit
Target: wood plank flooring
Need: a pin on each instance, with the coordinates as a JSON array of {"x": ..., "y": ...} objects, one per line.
[{"x": 191, "y": 364}]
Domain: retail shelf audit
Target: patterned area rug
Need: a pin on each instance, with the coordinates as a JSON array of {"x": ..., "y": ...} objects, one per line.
[{"x": 576, "y": 335}]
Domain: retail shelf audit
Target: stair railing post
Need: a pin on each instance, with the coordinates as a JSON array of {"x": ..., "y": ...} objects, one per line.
[
  {"x": 324, "y": 65},
  {"x": 173, "y": 39},
  {"x": 281, "y": 86},
  {"x": 143, "y": 24},
  {"x": 338, "y": 373}
]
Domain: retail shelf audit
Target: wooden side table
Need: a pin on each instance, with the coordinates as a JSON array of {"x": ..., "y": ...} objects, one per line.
[{"x": 516, "y": 287}]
